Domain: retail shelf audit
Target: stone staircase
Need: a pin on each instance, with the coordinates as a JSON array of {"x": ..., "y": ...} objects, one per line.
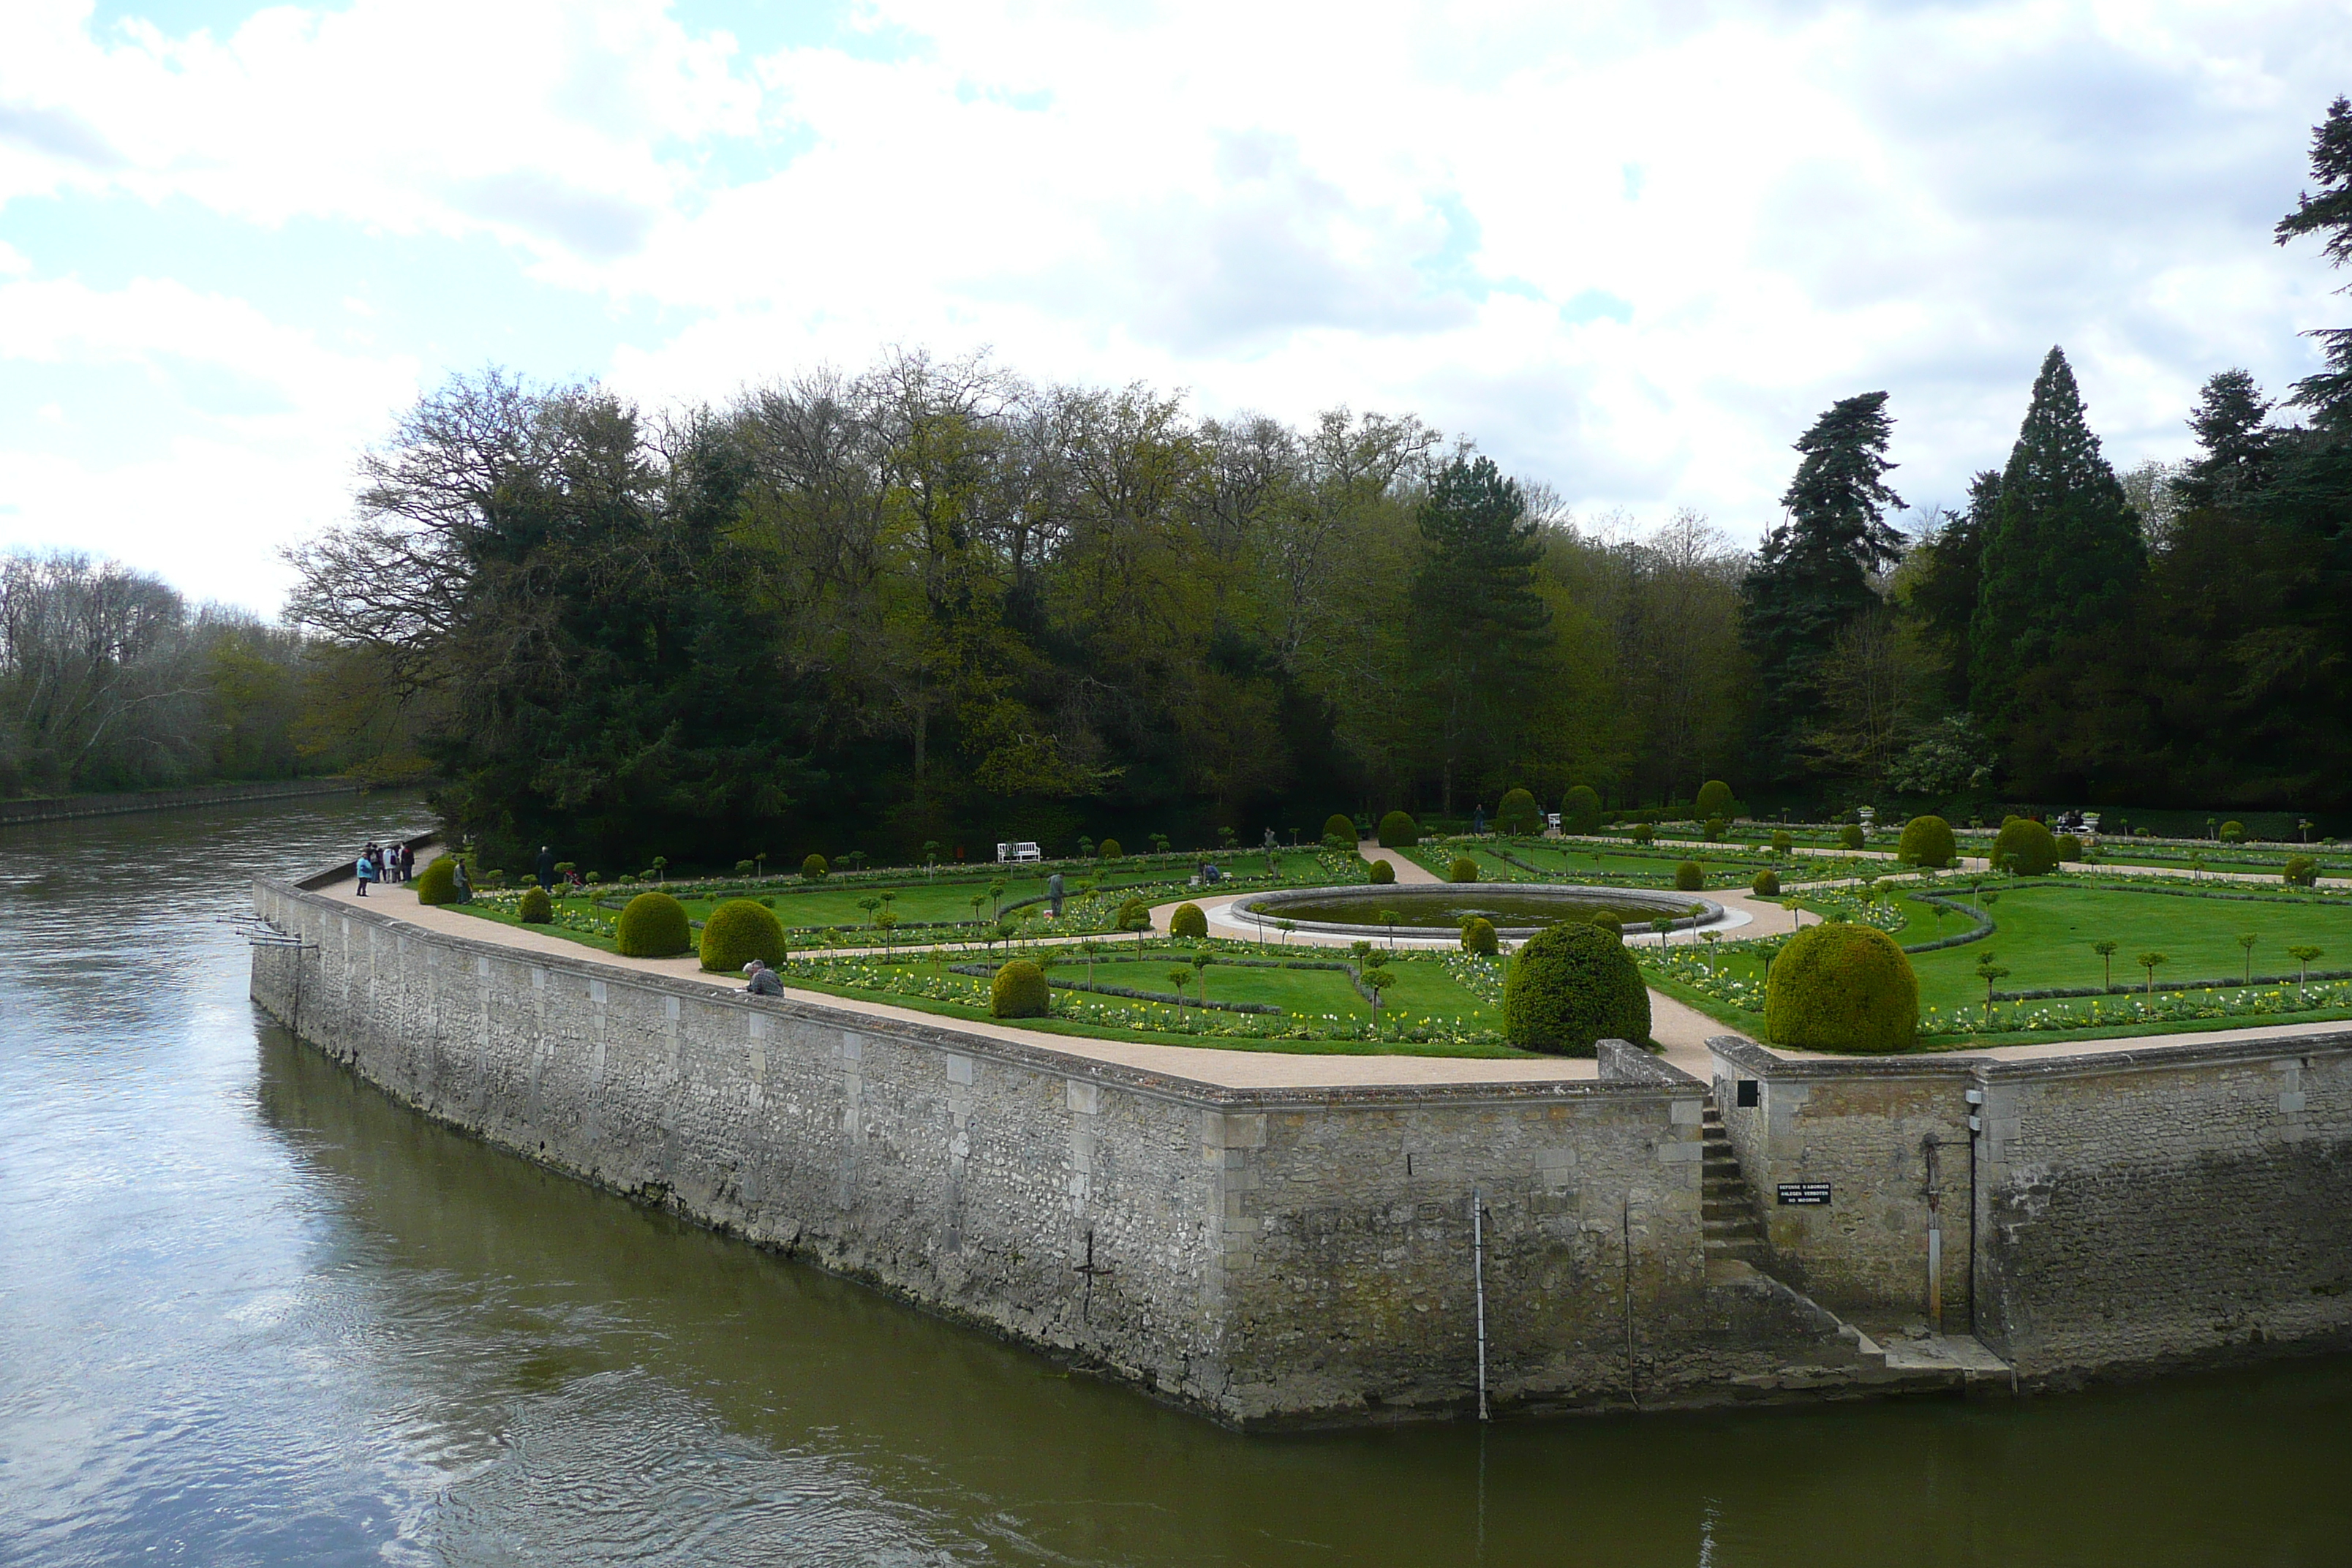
[{"x": 1739, "y": 1255}]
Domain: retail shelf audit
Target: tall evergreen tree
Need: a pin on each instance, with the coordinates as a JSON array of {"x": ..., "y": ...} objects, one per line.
[
  {"x": 2229, "y": 424},
  {"x": 1481, "y": 623},
  {"x": 2328, "y": 393},
  {"x": 1812, "y": 576},
  {"x": 1940, "y": 581},
  {"x": 2064, "y": 553}
]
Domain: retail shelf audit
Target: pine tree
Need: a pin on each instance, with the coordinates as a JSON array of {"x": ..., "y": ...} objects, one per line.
[
  {"x": 1481, "y": 623},
  {"x": 2229, "y": 423},
  {"x": 2328, "y": 395},
  {"x": 1812, "y": 575},
  {"x": 2064, "y": 554},
  {"x": 1940, "y": 578}
]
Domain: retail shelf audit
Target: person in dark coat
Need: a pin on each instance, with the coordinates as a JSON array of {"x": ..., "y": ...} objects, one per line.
[{"x": 547, "y": 867}]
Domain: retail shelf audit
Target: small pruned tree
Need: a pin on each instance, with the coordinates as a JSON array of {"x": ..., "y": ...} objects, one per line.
[
  {"x": 2106, "y": 952},
  {"x": 2246, "y": 939},
  {"x": 2151, "y": 961},
  {"x": 1990, "y": 972},
  {"x": 2303, "y": 954}
]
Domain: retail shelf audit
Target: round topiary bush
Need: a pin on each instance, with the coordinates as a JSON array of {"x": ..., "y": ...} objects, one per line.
[
  {"x": 1767, "y": 884},
  {"x": 1580, "y": 810},
  {"x": 1851, "y": 836},
  {"x": 653, "y": 926},
  {"x": 1926, "y": 841},
  {"x": 1607, "y": 920},
  {"x": 1689, "y": 878},
  {"x": 813, "y": 868},
  {"x": 1019, "y": 991},
  {"x": 1478, "y": 936},
  {"x": 1643, "y": 833},
  {"x": 1714, "y": 829},
  {"x": 2024, "y": 847},
  {"x": 1715, "y": 800},
  {"x": 1398, "y": 831},
  {"x": 2070, "y": 849},
  {"x": 437, "y": 883},
  {"x": 1571, "y": 985},
  {"x": 1462, "y": 869},
  {"x": 535, "y": 908},
  {"x": 1134, "y": 914},
  {"x": 1340, "y": 830},
  {"x": 2233, "y": 833},
  {"x": 1188, "y": 921},
  {"x": 1782, "y": 844},
  {"x": 738, "y": 931},
  {"x": 1517, "y": 814},
  {"x": 1382, "y": 872},
  {"x": 1110, "y": 849},
  {"x": 2301, "y": 872},
  {"x": 1841, "y": 987}
]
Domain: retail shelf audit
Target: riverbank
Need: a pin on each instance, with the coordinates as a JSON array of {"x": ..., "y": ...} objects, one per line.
[{"x": 73, "y": 807}]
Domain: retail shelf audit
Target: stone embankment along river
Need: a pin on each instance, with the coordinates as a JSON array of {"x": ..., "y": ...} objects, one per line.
[{"x": 1303, "y": 1251}]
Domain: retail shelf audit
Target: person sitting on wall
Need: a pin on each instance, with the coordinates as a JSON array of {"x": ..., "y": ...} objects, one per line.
[{"x": 763, "y": 981}]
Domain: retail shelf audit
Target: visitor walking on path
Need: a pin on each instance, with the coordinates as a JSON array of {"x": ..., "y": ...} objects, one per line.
[{"x": 365, "y": 869}]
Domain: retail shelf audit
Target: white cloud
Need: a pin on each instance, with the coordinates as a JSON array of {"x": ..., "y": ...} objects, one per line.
[{"x": 1633, "y": 253}]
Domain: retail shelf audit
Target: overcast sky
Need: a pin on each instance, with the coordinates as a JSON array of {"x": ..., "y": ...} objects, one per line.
[{"x": 1630, "y": 250}]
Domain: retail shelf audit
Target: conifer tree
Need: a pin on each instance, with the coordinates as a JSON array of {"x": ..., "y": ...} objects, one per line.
[
  {"x": 2063, "y": 553},
  {"x": 1812, "y": 575},
  {"x": 2229, "y": 423},
  {"x": 1480, "y": 621},
  {"x": 2328, "y": 395}
]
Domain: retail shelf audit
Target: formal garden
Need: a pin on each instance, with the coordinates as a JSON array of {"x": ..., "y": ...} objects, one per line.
[{"x": 1910, "y": 951}]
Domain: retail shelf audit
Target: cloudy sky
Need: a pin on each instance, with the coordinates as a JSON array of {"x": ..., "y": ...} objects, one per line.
[{"x": 1631, "y": 250}]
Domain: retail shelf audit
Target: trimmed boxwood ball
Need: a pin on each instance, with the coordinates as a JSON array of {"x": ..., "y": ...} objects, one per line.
[
  {"x": 1607, "y": 920},
  {"x": 738, "y": 931},
  {"x": 1110, "y": 849},
  {"x": 1643, "y": 833},
  {"x": 2301, "y": 870},
  {"x": 1716, "y": 828},
  {"x": 1841, "y": 987},
  {"x": 2024, "y": 847},
  {"x": 1715, "y": 799},
  {"x": 1689, "y": 878},
  {"x": 535, "y": 908},
  {"x": 437, "y": 883},
  {"x": 1398, "y": 831},
  {"x": 1569, "y": 987},
  {"x": 1851, "y": 836},
  {"x": 1926, "y": 841},
  {"x": 1782, "y": 844},
  {"x": 1019, "y": 991},
  {"x": 1383, "y": 872},
  {"x": 1134, "y": 914},
  {"x": 813, "y": 868},
  {"x": 1580, "y": 811},
  {"x": 1767, "y": 884},
  {"x": 1462, "y": 869},
  {"x": 2233, "y": 833},
  {"x": 1517, "y": 814},
  {"x": 1340, "y": 830},
  {"x": 1188, "y": 921},
  {"x": 653, "y": 926},
  {"x": 2070, "y": 849},
  {"x": 1478, "y": 936}
]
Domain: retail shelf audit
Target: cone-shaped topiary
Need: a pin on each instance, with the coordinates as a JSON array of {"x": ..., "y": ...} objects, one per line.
[
  {"x": 535, "y": 908},
  {"x": 1841, "y": 987},
  {"x": 1382, "y": 872},
  {"x": 1926, "y": 841},
  {"x": 1517, "y": 814},
  {"x": 1572, "y": 984},
  {"x": 1189, "y": 923},
  {"x": 738, "y": 931},
  {"x": 1767, "y": 884},
  {"x": 1110, "y": 849},
  {"x": 437, "y": 883},
  {"x": 813, "y": 868},
  {"x": 1715, "y": 800},
  {"x": 1462, "y": 869},
  {"x": 2023, "y": 848},
  {"x": 1689, "y": 878},
  {"x": 1851, "y": 836},
  {"x": 1579, "y": 812},
  {"x": 1478, "y": 936},
  {"x": 1340, "y": 831},
  {"x": 1398, "y": 831},
  {"x": 653, "y": 926},
  {"x": 1019, "y": 991}
]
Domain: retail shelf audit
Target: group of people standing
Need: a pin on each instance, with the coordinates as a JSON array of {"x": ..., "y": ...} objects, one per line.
[{"x": 385, "y": 863}]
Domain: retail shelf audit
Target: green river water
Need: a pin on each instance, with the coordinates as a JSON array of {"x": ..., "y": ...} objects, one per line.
[{"x": 252, "y": 1312}]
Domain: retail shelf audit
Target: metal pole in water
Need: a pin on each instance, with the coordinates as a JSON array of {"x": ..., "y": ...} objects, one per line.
[{"x": 1478, "y": 1274}]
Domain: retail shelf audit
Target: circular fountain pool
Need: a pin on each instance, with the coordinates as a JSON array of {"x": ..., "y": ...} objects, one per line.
[{"x": 1517, "y": 910}]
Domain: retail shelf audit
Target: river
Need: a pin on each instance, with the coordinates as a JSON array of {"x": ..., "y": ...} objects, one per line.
[{"x": 252, "y": 1312}]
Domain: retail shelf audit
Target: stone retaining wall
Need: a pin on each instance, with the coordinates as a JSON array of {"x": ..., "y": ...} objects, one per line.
[{"x": 1262, "y": 1256}]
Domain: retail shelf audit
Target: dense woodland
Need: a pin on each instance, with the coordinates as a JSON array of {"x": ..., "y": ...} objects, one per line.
[{"x": 933, "y": 602}]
